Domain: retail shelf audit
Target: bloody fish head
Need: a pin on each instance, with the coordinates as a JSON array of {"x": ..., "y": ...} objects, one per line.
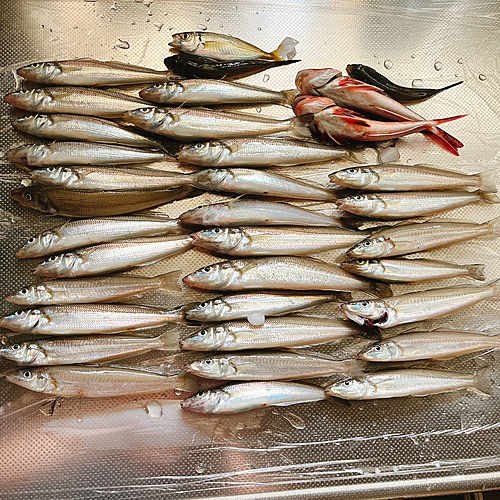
[{"x": 308, "y": 80}]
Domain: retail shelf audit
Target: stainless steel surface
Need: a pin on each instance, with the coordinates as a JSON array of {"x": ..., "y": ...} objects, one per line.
[{"x": 147, "y": 447}]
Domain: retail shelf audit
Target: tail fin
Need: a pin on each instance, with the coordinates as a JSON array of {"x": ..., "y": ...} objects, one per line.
[
  {"x": 169, "y": 340},
  {"x": 496, "y": 289},
  {"x": 494, "y": 225},
  {"x": 288, "y": 96},
  {"x": 186, "y": 382},
  {"x": 382, "y": 290},
  {"x": 476, "y": 272},
  {"x": 489, "y": 197},
  {"x": 482, "y": 382},
  {"x": 286, "y": 50},
  {"x": 440, "y": 121},
  {"x": 443, "y": 139},
  {"x": 450, "y": 86},
  {"x": 169, "y": 282},
  {"x": 342, "y": 297},
  {"x": 355, "y": 368},
  {"x": 487, "y": 181},
  {"x": 299, "y": 126}
]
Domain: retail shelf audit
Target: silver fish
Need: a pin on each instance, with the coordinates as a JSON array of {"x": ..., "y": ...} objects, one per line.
[
  {"x": 258, "y": 182},
  {"x": 282, "y": 273},
  {"x": 65, "y": 127},
  {"x": 259, "y": 152},
  {"x": 90, "y": 72},
  {"x": 410, "y": 238},
  {"x": 75, "y": 101},
  {"x": 418, "y": 306},
  {"x": 242, "y": 305},
  {"x": 424, "y": 345},
  {"x": 255, "y": 213},
  {"x": 410, "y": 204},
  {"x": 244, "y": 396},
  {"x": 266, "y": 365},
  {"x": 412, "y": 270},
  {"x": 84, "y": 319},
  {"x": 90, "y": 290},
  {"x": 248, "y": 241},
  {"x": 85, "y": 349},
  {"x": 110, "y": 257},
  {"x": 79, "y": 233},
  {"x": 392, "y": 177},
  {"x": 81, "y": 153},
  {"x": 199, "y": 92},
  {"x": 409, "y": 382},
  {"x": 195, "y": 124},
  {"x": 97, "y": 381},
  {"x": 287, "y": 331}
]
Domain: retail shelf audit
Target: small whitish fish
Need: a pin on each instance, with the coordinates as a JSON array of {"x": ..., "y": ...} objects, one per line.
[
  {"x": 103, "y": 178},
  {"x": 410, "y": 204},
  {"x": 75, "y": 101},
  {"x": 85, "y": 319},
  {"x": 228, "y": 48},
  {"x": 83, "y": 232},
  {"x": 97, "y": 381},
  {"x": 259, "y": 152},
  {"x": 77, "y": 203},
  {"x": 244, "y": 396},
  {"x": 424, "y": 345},
  {"x": 255, "y": 213},
  {"x": 113, "y": 256},
  {"x": 412, "y": 270},
  {"x": 287, "y": 331},
  {"x": 409, "y": 382},
  {"x": 259, "y": 182},
  {"x": 204, "y": 124},
  {"x": 410, "y": 238},
  {"x": 266, "y": 365},
  {"x": 199, "y": 92},
  {"x": 418, "y": 306},
  {"x": 90, "y": 72},
  {"x": 242, "y": 305},
  {"x": 81, "y": 153},
  {"x": 64, "y": 127},
  {"x": 281, "y": 273},
  {"x": 391, "y": 177},
  {"x": 85, "y": 349},
  {"x": 248, "y": 241},
  {"x": 89, "y": 290}
]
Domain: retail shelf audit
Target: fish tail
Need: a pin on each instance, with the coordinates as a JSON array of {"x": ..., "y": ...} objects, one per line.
[
  {"x": 169, "y": 340},
  {"x": 440, "y": 121},
  {"x": 487, "y": 181},
  {"x": 489, "y": 197},
  {"x": 494, "y": 226},
  {"x": 482, "y": 381},
  {"x": 286, "y": 50},
  {"x": 188, "y": 383},
  {"x": 443, "y": 139},
  {"x": 342, "y": 297},
  {"x": 450, "y": 86},
  {"x": 496, "y": 289},
  {"x": 288, "y": 96},
  {"x": 169, "y": 282},
  {"x": 382, "y": 290},
  {"x": 476, "y": 272},
  {"x": 299, "y": 126},
  {"x": 355, "y": 368}
]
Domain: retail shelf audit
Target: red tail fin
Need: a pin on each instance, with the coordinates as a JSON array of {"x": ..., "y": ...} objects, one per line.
[{"x": 442, "y": 138}]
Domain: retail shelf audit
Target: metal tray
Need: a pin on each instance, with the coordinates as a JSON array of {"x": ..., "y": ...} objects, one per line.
[{"x": 147, "y": 447}]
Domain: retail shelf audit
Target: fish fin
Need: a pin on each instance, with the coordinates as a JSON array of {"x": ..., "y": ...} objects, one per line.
[
  {"x": 489, "y": 197},
  {"x": 340, "y": 401},
  {"x": 286, "y": 50},
  {"x": 373, "y": 333},
  {"x": 300, "y": 125},
  {"x": 495, "y": 226},
  {"x": 169, "y": 339},
  {"x": 488, "y": 179},
  {"x": 496, "y": 286},
  {"x": 288, "y": 96},
  {"x": 482, "y": 382},
  {"x": 476, "y": 272},
  {"x": 170, "y": 281},
  {"x": 343, "y": 296},
  {"x": 358, "y": 85},
  {"x": 355, "y": 121},
  {"x": 188, "y": 383},
  {"x": 355, "y": 368},
  {"x": 382, "y": 290},
  {"x": 450, "y": 86},
  {"x": 443, "y": 139},
  {"x": 341, "y": 141},
  {"x": 440, "y": 121}
]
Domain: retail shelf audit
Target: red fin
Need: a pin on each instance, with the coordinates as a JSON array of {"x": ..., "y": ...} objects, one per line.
[
  {"x": 443, "y": 139},
  {"x": 354, "y": 120},
  {"x": 358, "y": 85}
]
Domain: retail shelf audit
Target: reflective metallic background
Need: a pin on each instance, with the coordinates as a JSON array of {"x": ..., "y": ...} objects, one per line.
[{"x": 146, "y": 447}]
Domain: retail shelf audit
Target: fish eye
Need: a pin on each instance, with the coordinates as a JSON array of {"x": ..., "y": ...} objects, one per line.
[
  {"x": 203, "y": 304},
  {"x": 364, "y": 303},
  {"x": 31, "y": 240},
  {"x": 378, "y": 348},
  {"x": 185, "y": 36},
  {"x": 144, "y": 110},
  {"x": 360, "y": 261},
  {"x": 51, "y": 169},
  {"x": 217, "y": 230},
  {"x": 358, "y": 197},
  {"x": 28, "y": 197},
  {"x": 157, "y": 85},
  {"x": 351, "y": 170},
  {"x": 208, "y": 361},
  {"x": 24, "y": 91},
  {"x": 203, "y": 332},
  {"x": 27, "y": 373},
  {"x": 207, "y": 269},
  {"x": 52, "y": 258},
  {"x": 199, "y": 145},
  {"x": 24, "y": 291},
  {"x": 367, "y": 243},
  {"x": 16, "y": 347},
  {"x": 18, "y": 313},
  {"x": 347, "y": 383},
  {"x": 199, "y": 206}
]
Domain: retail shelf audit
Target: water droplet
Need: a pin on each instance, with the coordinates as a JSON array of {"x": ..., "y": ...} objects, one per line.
[
  {"x": 414, "y": 440},
  {"x": 114, "y": 6},
  {"x": 388, "y": 154},
  {"x": 417, "y": 83},
  {"x": 413, "y": 56},
  {"x": 395, "y": 469},
  {"x": 75, "y": 27},
  {"x": 158, "y": 26},
  {"x": 154, "y": 409},
  {"x": 200, "y": 468},
  {"x": 375, "y": 55},
  {"x": 482, "y": 77},
  {"x": 388, "y": 64},
  {"x": 147, "y": 3},
  {"x": 438, "y": 65},
  {"x": 202, "y": 27},
  {"x": 207, "y": 19},
  {"x": 377, "y": 471},
  {"x": 258, "y": 110},
  {"x": 460, "y": 61},
  {"x": 79, "y": 419},
  {"x": 427, "y": 439},
  {"x": 178, "y": 392},
  {"x": 259, "y": 29},
  {"x": 122, "y": 44},
  {"x": 256, "y": 318},
  {"x": 150, "y": 13},
  {"x": 221, "y": 26},
  {"x": 266, "y": 78},
  {"x": 240, "y": 426},
  {"x": 295, "y": 421}
]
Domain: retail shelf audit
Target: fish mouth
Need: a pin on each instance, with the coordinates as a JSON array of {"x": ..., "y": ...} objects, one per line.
[
  {"x": 10, "y": 99},
  {"x": 196, "y": 237},
  {"x": 382, "y": 320}
]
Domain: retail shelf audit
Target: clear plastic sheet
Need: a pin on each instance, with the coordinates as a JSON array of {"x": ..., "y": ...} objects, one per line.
[{"x": 146, "y": 447}]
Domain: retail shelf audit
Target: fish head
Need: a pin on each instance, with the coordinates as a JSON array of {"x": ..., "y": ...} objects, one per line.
[
  {"x": 22, "y": 321},
  {"x": 57, "y": 265},
  {"x": 17, "y": 155},
  {"x": 218, "y": 238},
  {"x": 366, "y": 313},
  {"x": 350, "y": 388},
  {"x": 24, "y": 353},
  {"x": 354, "y": 177},
  {"x": 207, "y": 339},
  {"x": 209, "y": 153},
  {"x": 188, "y": 41},
  {"x": 31, "y": 197},
  {"x": 34, "y": 379},
  {"x": 204, "y": 215},
  {"x": 34, "y": 294},
  {"x": 212, "y": 277},
  {"x": 32, "y": 155},
  {"x": 164, "y": 90},
  {"x": 32, "y": 124},
  {"x": 310, "y": 105},
  {"x": 364, "y": 267},
  {"x": 386, "y": 350},
  {"x": 55, "y": 175},
  {"x": 362, "y": 204},
  {"x": 211, "y": 179},
  {"x": 372, "y": 247},
  {"x": 38, "y": 245},
  {"x": 146, "y": 118},
  {"x": 216, "y": 367},
  {"x": 212, "y": 310},
  {"x": 28, "y": 98},
  {"x": 40, "y": 72},
  {"x": 308, "y": 80},
  {"x": 354, "y": 69},
  {"x": 206, "y": 401}
]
